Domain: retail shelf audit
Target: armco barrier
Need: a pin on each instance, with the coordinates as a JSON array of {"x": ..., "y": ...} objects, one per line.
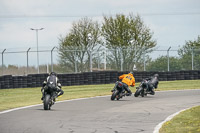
[{"x": 88, "y": 78}]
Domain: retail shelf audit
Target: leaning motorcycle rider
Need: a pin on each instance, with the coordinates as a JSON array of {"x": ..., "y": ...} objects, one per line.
[
  {"x": 127, "y": 80},
  {"x": 153, "y": 83},
  {"x": 52, "y": 78}
]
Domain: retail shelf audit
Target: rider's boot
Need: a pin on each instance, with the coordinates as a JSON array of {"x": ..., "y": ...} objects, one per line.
[
  {"x": 53, "y": 102},
  {"x": 42, "y": 96},
  {"x": 128, "y": 93},
  {"x": 152, "y": 92},
  {"x": 55, "y": 96},
  {"x": 113, "y": 89}
]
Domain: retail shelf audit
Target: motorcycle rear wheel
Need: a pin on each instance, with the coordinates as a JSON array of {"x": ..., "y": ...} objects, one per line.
[{"x": 142, "y": 93}]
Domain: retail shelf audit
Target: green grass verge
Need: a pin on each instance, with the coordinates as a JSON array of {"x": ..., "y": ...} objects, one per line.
[
  {"x": 12, "y": 98},
  {"x": 178, "y": 85},
  {"x": 186, "y": 122}
]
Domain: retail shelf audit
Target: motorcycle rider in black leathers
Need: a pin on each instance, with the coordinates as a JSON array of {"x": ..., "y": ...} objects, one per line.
[
  {"x": 53, "y": 77},
  {"x": 153, "y": 83}
]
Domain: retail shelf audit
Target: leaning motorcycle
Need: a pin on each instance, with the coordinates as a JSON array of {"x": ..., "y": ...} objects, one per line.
[
  {"x": 118, "y": 91},
  {"x": 49, "y": 97},
  {"x": 143, "y": 89}
]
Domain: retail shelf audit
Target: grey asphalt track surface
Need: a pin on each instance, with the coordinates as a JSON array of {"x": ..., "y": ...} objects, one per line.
[{"x": 100, "y": 115}]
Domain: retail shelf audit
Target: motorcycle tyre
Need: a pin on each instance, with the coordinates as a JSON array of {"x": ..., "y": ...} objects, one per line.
[
  {"x": 46, "y": 102},
  {"x": 138, "y": 91},
  {"x": 114, "y": 94},
  {"x": 142, "y": 93}
]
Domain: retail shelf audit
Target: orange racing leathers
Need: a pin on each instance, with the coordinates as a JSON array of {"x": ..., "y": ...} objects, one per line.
[{"x": 127, "y": 80}]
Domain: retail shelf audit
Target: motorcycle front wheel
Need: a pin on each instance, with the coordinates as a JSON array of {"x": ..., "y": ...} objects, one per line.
[
  {"x": 114, "y": 94},
  {"x": 46, "y": 102},
  {"x": 138, "y": 91}
]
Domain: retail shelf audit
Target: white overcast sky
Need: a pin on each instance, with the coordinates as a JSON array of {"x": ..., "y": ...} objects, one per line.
[{"x": 172, "y": 21}]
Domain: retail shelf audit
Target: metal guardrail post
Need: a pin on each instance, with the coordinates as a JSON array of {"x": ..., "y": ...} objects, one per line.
[
  {"x": 121, "y": 59},
  {"x": 76, "y": 67},
  {"x": 98, "y": 61},
  {"x": 105, "y": 54},
  {"x": 135, "y": 59},
  {"x": 27, "y": 60},
  {"x": 52, "y": 58},
  {"x": 144, "y": 59},
  {"x": 168, "y": 57},
  {"x": 192, "y": 58},
  {"x": 90, "y": 61},
  {"x": 2, "y": 59}
]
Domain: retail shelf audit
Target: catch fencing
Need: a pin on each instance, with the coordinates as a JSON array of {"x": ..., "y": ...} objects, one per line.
[
  {"x": 23, "y": 62},
  {"x": 91, "y": 78}
]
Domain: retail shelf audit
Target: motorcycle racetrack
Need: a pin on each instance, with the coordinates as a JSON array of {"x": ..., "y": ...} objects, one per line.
[{"x": 100, "y": 114}]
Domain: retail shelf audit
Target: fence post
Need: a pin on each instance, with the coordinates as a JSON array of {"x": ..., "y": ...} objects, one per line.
[
  {"x": 105, "y": 59},
  {"x": 121, "y": 55},
  {"x": 2, "y": 60},
  {"x": 144, "y": 59},
  {"x": 52, "y": 58},
  {"x": 90, "y": 61},
  {"x": 192, "y": 58},
  {"x": 98, "y": 62},
  {"x": 75, "y": 62},
  {"x": 27, "y": 60},
  {"x": 168, "y": 57},
  {"x": 134, "y": 66}
]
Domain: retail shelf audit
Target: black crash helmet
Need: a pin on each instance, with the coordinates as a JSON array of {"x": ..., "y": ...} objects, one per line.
[
  {"x": 131, "y": 73},
  {"x": 53, "y": 73},
  {"x": 156, "y": 75}
]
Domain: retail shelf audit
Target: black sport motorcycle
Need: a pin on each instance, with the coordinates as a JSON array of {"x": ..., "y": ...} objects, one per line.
[
  {"x": 143, "y": 89},
  {"x": 49, "y": 97},
  {"x": 118, "y": 92}
]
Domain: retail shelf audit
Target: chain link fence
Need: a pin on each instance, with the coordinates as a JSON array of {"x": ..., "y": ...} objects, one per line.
[{"x": 24, "y": 62}]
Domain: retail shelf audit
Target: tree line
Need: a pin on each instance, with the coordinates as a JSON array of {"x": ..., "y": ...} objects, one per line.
[
  {"x": 118, "y": 42},
  {"x": 188, "y": 59},
  {"x": 127, "y": 41}
]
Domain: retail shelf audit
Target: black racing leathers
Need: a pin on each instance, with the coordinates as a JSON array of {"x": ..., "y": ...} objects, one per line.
[
  {"x": 152, "y": 83},
  {"x": 57, "y": 84}
]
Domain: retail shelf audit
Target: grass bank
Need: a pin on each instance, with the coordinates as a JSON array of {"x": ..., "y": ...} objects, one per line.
[
  {"x": 186, "y": 122},
  {"x": 12, "y": 98}
]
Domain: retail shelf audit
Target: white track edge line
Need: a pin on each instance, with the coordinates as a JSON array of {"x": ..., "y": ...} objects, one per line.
[{"x": 10, "y": 110}]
